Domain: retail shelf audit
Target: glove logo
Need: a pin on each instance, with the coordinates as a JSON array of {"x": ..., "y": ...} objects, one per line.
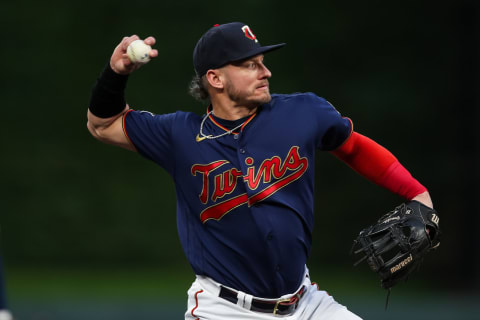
[
  {"x": 391, "y": 219},
  {"x": 435, "y": 219},
  {"x": 402, "y": 264}
]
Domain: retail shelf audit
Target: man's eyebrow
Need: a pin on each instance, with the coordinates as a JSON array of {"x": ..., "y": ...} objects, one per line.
[
  {"x": 252, "y": 59},
  {"x": 241, "y": 62}
]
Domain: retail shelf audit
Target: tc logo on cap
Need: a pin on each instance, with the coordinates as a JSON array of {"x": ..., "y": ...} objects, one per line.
[{"x": 249, "y": 34}]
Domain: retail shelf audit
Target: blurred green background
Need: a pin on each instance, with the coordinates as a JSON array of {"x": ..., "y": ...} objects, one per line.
[{"x": 89, "y": 231}]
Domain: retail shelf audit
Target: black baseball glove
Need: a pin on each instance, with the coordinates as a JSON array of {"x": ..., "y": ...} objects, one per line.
[{"x": 395, "y": 246}]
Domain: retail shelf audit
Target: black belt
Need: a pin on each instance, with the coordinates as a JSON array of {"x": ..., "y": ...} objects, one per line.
[{"x": 280, "y": 307}]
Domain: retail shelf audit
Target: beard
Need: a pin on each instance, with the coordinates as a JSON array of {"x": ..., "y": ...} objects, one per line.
[{"x": 246, "y": 97}]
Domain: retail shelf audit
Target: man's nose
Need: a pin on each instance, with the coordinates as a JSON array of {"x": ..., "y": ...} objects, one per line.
[{"x": 265, "y": 72}]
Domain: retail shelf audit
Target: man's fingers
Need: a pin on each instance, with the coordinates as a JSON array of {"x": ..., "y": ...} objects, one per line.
[
  {"x": 126, "y": 60},
  {"x": 127, "y": 40},
  {"x": 153, "y": 53},
  {"x": 121, "y": 63},
  {"x": 123, "y": 44},
  {"x": 150, "y": 41}
]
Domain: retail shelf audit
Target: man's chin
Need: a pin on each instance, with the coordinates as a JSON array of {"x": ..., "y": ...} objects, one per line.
[
  {"x": 254, "y": 102},
  {"x": 266, "y": 98}
]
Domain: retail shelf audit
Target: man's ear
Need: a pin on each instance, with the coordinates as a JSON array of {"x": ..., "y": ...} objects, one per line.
[{"x": 215, "y": 78}]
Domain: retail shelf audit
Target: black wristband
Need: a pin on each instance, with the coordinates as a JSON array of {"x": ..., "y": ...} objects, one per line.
[{"x": 108, "y": 94}]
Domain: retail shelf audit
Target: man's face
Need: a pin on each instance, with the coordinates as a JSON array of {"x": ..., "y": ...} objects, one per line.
[{"x": 246, "y": 82}]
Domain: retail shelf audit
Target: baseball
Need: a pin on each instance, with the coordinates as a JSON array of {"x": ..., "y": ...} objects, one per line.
[{"x": 138, "y": 51}]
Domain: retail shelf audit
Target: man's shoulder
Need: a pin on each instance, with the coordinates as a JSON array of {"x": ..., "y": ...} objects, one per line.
[
  {"x": 297, "y": 96},
  {"x": 174, "y": 116},
  {"x": 298, "y": 100}
]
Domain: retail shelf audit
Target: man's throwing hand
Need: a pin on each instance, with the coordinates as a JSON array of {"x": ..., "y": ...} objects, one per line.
[{"x": 120, "y": 62}]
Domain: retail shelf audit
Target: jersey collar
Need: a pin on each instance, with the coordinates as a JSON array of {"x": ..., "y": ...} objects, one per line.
[{"x": 218, "y": 124}]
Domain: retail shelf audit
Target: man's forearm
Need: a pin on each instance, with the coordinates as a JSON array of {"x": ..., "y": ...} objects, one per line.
[
  {"x": 378, "y": 165},
  {"x": 108, "y": 94},
  {"x": 107, "y": 106}
]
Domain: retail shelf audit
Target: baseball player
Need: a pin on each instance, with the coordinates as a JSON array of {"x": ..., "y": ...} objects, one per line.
[{"x": 244, "y": 175}]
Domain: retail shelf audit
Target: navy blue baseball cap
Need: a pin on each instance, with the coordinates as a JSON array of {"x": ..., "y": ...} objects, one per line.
[{"x": 226, "y": 43}]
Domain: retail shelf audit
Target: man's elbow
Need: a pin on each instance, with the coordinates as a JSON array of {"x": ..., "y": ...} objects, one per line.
[
  {"x": 91, "y": 128},
  {"x": 96, "y": 131},
  {"x": 96, "y": 126},
  {"x": 108, "y": 130}
]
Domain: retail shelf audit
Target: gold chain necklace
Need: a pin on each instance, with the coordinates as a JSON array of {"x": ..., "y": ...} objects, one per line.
[{"x": 204, "y": 136}]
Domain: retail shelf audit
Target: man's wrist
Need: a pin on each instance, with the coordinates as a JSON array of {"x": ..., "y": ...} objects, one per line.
[
  {"x": 424, "y": 198},
  {"x": 108, "y": 94},
  {"x": 113, "y": 80}
]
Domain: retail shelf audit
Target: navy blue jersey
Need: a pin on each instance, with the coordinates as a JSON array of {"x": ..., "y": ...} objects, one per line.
[{"x": 245, "y": 200}]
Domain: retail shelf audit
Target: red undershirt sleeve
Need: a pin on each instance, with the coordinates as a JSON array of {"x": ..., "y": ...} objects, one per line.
[{"x": 378, "y": 165}]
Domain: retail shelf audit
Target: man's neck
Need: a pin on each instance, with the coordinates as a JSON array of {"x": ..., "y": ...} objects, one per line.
[{"x": 231, "y": 112}]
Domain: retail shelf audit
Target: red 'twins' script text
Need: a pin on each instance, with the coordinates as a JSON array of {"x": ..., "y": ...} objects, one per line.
[{"x": 224, "y": 183}]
